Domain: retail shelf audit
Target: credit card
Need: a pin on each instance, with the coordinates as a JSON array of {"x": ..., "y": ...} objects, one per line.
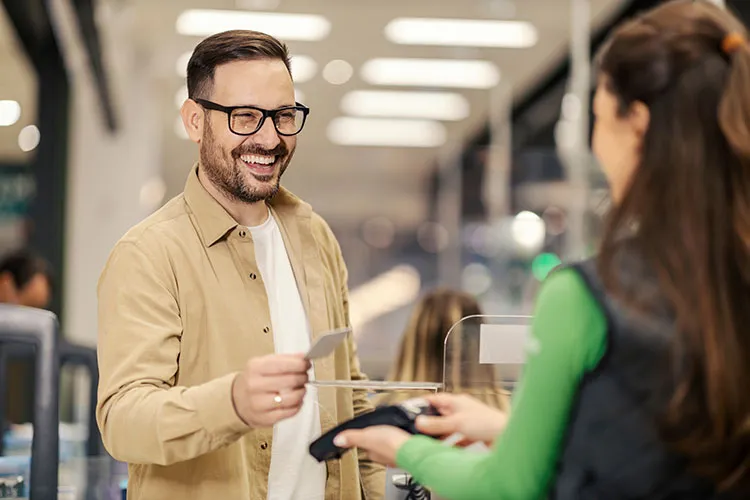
[{"x": 327, "y": 343}]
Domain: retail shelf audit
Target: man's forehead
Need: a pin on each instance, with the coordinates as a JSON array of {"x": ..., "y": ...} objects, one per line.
[{"x": 263, "y": 82}]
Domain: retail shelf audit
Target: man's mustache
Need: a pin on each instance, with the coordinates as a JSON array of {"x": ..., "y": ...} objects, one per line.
[{"x": 279, "y": 150}]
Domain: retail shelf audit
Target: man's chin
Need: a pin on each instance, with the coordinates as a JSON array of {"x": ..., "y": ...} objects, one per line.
[
  {"x": 260, "y": 184},
  {"x": 263, "y": 189},
  {"x": 264, "y": 179}
]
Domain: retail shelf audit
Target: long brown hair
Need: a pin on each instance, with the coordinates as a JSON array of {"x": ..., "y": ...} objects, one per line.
[
  {"x": 686, "y": 212},
  {"x": 422, "y": 350}
]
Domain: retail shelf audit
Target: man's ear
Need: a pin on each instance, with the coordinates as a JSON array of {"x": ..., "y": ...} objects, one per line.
[{"x": 193, "y": 119}]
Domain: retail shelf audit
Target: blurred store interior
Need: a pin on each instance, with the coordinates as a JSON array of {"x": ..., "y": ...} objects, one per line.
[{"x": 448, "y": 142}]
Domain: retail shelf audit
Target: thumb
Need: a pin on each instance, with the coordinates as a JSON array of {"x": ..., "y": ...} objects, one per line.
[
  {"x": 354, "y": 438},
  {"x": 437, "y": 426}
]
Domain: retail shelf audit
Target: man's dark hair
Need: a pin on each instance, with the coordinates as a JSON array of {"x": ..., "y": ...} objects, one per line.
[
  {"x": 23, "y": 265},
  {"x": 226, "y": 47}
]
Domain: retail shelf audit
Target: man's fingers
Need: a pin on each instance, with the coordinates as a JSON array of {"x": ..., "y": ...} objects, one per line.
[
  {"x": 272, "y": 401},
  {"x": 437, "y": 426},
  {"x": 279, "y": 383},
  {"x": 280, "y": 364},
  {"x": 292, "y": 399},
  {"x": 282, "y": 414}
]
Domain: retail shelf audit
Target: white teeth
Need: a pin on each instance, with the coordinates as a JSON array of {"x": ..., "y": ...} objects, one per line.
[{"x": 258, "y": 159}]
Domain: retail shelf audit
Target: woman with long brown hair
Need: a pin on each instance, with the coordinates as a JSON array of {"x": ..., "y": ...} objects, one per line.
[
  {"x": 423, "y": 350},
  {"x": 638, "y": 379}
]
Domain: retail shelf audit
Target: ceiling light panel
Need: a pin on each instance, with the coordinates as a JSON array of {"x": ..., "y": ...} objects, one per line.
[
  {"x": 462, "y": 32},
  {"x": 303, "y": 68},
  {"x": 10, "y": 113},
  {"x": 448, "y": 106},
  {"x": 455, "y": 73},
  {"x": 351, "y": 131},
  {"x": 298, "y": 27}
]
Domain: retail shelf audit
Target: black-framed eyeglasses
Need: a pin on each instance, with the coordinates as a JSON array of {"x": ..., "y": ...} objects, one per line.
[{"x": 247, "y": 120}]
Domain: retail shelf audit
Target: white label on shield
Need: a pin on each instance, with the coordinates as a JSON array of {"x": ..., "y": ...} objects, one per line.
[{"x": 503, "y": 344}]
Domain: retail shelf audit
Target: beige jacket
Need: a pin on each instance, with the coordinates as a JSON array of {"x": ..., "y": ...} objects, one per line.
[{"x": 182, "y": 307}]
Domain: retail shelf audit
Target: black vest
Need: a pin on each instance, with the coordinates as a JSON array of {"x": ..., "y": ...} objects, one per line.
[{"x": 612, "y": 450}]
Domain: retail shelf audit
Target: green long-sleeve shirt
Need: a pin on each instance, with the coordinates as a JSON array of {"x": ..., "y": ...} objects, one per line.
[{"x": 568, "y": 340}]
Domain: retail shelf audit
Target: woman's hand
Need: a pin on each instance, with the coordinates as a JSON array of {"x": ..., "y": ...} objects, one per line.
[
  {"x": 381, "y": 442},
  {"x": 464, "y": 415}
]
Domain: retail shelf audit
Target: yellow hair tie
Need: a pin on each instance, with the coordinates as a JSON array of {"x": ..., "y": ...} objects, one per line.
[{"x": 732, "y": 42}]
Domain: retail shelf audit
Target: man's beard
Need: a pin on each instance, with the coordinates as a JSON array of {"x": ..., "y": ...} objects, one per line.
[{"x": 230, "y": 178}]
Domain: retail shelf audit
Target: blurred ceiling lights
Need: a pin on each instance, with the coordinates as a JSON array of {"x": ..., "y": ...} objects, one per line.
[
  {"x": 379, "y": 118},
  {"x": 446, "y": 106},
  {"x": 529, "y": 231},
  {"x": 258, "y": 4},
  {"x": 10, "y": 113},
  {"x": 351, "y": 131},
  {"x": 303, "y": 68},
  {"x": 28, "y": 138},
  {"x": 337, "y": 72},
  {"x": 288, "y": 27},
  {"x": 462, "y": 32},
  {"x": 379, "y": 232},
  {"x": 476, "y": 278},
  {"x": 470, "y": 74}
]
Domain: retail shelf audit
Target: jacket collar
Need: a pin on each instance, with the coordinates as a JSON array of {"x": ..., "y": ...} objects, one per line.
[{"x": 214, "y": 222}]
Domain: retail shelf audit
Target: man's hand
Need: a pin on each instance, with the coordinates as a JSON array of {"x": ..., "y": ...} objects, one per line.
[
  {"x": 270, "y": 389},
  {"x": 464, "y": 415}
]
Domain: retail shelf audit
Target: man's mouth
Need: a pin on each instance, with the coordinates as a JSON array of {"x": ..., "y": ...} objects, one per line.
[{"x": 260, "y": 164}]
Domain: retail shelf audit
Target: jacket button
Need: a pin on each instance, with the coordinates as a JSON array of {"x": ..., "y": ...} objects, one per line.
[
  {"x": 263, "y": 445},
  {"x": 243, "y": 233},
  {"x": 266, "y": 330},
  {"x": 253, "y": 276}
]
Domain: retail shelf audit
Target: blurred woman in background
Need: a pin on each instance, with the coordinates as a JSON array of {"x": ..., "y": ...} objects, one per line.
[
  {"x": 423, "y": 351},
  {"x": 637, "y": 384}
]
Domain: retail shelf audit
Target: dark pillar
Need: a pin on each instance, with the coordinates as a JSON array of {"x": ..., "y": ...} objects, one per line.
[
  {"x": 33, "y": 26},
  {"x": 50, "y": 167}
]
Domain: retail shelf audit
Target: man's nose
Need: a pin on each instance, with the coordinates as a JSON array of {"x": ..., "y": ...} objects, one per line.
[{"x": 267, "y": 136}]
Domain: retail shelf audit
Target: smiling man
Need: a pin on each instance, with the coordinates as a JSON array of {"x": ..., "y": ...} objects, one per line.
[{"x": 207, "y": 306}]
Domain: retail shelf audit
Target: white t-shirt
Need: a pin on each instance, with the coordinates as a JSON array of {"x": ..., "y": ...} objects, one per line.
[{"x": 294, "y": 474}]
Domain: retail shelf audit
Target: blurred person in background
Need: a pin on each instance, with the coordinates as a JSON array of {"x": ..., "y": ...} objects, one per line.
[
  {"x": 422, "y": 352},
  {"x": 639, "y": 367},
  {"x": 207, "y": 307},
  {"x": 25, "y": 280}
]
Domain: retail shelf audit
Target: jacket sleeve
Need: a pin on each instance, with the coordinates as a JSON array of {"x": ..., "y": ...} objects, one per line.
[{"x": 143, "y": 415}]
